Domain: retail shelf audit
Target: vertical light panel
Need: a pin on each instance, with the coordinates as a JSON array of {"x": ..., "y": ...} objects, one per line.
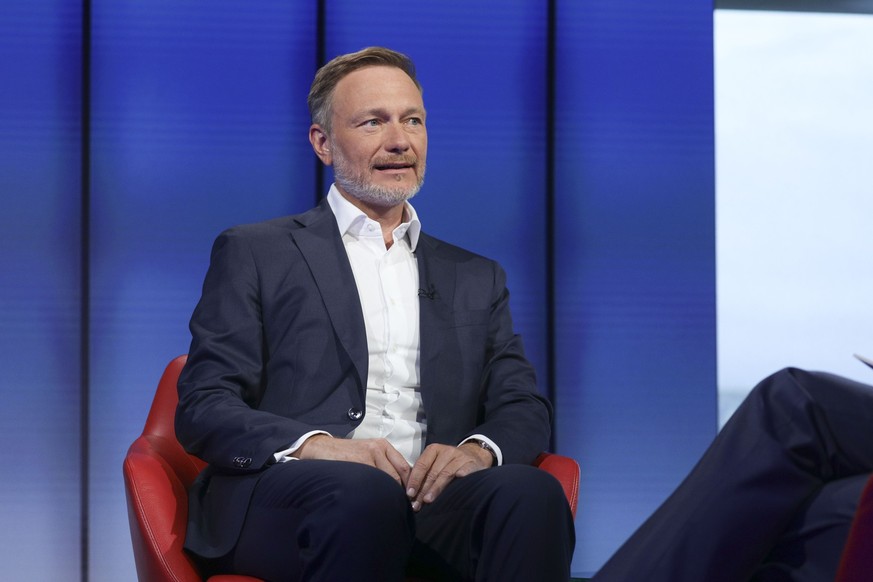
[
  {"x": 40, "y": 187},
  {"x": 199, "y": 123},
  {"x": 482, "y": 65},
  {"x": 635, "y": 264}
]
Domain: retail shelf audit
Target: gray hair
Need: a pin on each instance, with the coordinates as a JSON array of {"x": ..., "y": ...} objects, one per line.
[{"x": 327, "y": 77}]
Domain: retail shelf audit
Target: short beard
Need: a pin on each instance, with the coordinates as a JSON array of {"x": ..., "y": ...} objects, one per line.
[{"x": 359, "y": 186}]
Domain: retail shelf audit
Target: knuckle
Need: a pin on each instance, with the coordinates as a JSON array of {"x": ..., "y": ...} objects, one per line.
[
  {"x": 375, "y": 445},
  {"x": 447, "y": 475}
]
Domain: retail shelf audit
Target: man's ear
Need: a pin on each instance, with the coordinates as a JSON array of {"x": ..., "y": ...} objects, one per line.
[{"x": 320, "y": 144}]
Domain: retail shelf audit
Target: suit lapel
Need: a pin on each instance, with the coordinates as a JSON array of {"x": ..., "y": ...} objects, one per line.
[
  {"x": 322, "y": 249},
  {"x": 436, "y": 297},
  {"x": 319, "y": 242}
]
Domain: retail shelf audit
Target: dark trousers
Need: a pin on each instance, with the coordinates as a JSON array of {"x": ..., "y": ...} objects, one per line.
[
  {"x": 334, "y": 521},
  {"x": 773, "y": 496}
]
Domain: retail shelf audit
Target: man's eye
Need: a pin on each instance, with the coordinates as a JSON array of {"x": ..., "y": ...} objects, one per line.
[
  {"x": 414, "y": 121},
  {"x": 371, "y": 123}
]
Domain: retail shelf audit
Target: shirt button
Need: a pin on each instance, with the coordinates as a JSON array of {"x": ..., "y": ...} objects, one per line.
[{"x": 355, "y": 414}]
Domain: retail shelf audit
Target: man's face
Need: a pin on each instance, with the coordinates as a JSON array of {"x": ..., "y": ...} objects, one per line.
[{"x": 378, "y": 140}]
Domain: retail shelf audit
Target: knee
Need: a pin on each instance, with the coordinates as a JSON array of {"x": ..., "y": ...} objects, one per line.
[
  {"x": 528, "y": 489},
  {"x": 786, "y": 379},
  {"x": 363, "y": 506},
  {"x": 785, "y": 387},
  {"x": 529, "y": 504},
  {"x": 786, "y": 398},
  {"x": 367, "y": 492}
]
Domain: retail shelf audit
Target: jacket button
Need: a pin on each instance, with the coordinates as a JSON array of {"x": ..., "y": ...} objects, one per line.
[
  {"x": 354, "y": 414},
  {"x": 242, "y": 462}
]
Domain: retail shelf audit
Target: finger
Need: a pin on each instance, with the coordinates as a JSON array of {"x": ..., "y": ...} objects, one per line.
[
  {"x": 452, "y": 464},
  {"x": 441, "y": 473},
  {"x": 419, "y": 471},
  {"x": 386, "y": 458},
  {"x": 399, "y": 463},
  {"x": 384, "y": 465}
]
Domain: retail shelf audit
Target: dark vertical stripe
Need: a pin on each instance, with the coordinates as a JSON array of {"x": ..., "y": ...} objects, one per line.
[
  {"x": 551, "y": 51},
  {"x": 551, "y": 389},
  {"x": 85, "y": 290},
  {"x": 320, "y": 58}
]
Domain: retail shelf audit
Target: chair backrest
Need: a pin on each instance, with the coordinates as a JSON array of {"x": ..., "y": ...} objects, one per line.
[
  {"x": 160, "y": 423},
  {"x": 157, "y": 473}
]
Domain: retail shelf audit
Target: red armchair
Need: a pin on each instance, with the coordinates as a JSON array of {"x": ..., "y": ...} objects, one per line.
[{"x": 158, "y": 471}]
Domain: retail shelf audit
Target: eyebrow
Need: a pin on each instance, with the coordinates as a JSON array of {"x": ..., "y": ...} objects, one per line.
[{"x": 382, "y": 112}]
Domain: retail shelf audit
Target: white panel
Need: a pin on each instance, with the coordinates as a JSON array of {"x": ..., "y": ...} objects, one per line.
[{"x": 794, "y": 144}]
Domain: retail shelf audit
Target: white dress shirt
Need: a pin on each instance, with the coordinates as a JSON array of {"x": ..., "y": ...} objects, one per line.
[{"x": 387, "y": 281}]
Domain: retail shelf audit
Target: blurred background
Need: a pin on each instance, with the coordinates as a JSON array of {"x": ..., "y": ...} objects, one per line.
[
  {"x": 677, "y": 193},
  {"x": 794, "y": 194}
]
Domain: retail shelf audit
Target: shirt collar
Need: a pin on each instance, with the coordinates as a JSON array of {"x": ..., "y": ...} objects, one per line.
[{"x": 349, "y": 218}]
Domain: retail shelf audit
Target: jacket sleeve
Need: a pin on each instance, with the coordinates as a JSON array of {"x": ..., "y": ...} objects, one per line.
[
  {"x": 512, "y": 411},
  {"x": 223, "y": 381}
]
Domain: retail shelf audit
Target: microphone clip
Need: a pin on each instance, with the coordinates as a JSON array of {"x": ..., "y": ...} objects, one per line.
[{"x": 429, "y": 293}]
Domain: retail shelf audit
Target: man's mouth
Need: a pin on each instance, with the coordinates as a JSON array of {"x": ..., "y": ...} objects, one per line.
[{"x": 394, "y": 165}]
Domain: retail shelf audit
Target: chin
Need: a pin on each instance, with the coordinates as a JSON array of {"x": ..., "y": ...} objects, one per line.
[{"x": 387, "y": 199}]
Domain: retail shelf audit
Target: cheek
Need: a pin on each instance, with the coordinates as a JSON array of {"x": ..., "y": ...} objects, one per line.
[
  {"x": 356, "y": 160},
  {"x": 421, "y": 147},
  {"x": 363, "y": 154}
]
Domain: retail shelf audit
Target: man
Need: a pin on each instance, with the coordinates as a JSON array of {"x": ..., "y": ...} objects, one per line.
[
  {"x": 773, "y": 497},
  {"x": 355, "y": 384}
]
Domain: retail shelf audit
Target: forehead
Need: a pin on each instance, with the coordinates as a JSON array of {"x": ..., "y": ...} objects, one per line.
[{"x": 375, "y": 87}]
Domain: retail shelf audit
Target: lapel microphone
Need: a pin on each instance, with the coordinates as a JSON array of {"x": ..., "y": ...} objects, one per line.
[{"x": 430, "y": 292}]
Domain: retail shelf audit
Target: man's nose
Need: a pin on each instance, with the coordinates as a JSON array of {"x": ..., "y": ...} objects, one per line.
[{"x": 396, "y": 139}]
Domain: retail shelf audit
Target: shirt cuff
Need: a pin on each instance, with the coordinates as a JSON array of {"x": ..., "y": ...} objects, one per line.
[
  {"x": 284, "y": 455},
  {"x": 490, "y": 443}
]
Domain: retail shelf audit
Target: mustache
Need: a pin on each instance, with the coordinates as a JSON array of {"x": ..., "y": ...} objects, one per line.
[{"x": 395, "y": 162}]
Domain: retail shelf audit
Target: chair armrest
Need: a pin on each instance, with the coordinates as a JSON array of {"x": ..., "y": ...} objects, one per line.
[{"x": 566, "y": 471}]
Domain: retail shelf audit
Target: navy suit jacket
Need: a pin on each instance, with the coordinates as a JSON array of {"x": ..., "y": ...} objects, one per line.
[{"x": 279, "y": 349}]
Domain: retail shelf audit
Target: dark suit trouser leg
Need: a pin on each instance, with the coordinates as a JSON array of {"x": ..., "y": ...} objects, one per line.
[
  {"x": 506, "y": 524},
  {"x": 324, "y": 521},
  {"x": 795, "y": 432}
]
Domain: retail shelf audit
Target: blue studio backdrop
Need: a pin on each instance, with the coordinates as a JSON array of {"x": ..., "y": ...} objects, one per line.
[{"x": 571, "y": 141}]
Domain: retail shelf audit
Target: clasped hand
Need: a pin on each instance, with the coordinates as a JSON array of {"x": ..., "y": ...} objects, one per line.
[{"x": 437, "y": 466}]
